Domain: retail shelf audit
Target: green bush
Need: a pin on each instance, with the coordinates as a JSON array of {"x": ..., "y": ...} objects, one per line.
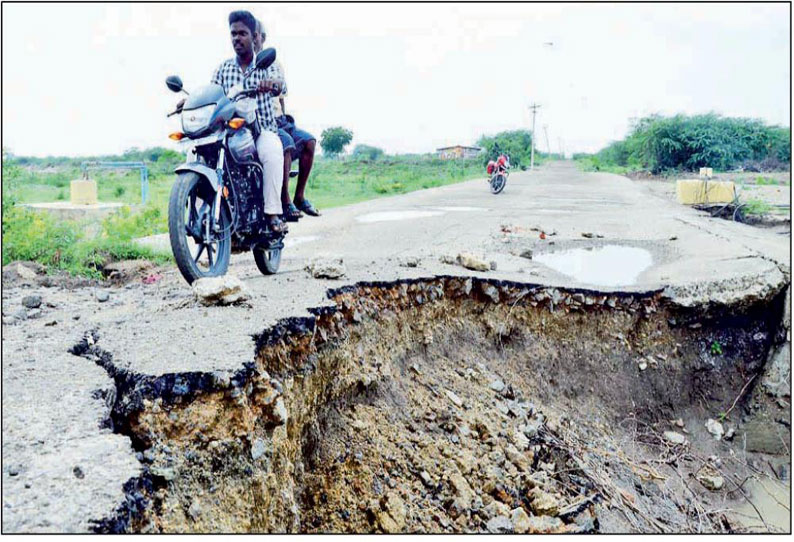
[
  {"x": 681, "y": 142},
  {"x": 60, "y": 245}
]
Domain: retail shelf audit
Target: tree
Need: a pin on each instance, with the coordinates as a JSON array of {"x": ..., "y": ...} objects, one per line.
[
  {"x": 334, "y": 139},
  {"x": 367, "y": 152},
  {"x": 516, "y": 143}
]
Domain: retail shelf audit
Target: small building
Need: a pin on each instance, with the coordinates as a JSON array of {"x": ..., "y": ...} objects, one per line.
[{"x": 458, "y": 151}]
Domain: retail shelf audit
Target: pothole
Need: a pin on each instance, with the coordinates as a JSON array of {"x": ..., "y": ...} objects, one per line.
[
  {"x": 448, "y": 405},
  {"x": 608, "y": 265}
]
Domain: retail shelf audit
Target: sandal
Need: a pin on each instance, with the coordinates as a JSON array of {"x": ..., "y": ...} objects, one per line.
[
  {"x": 276, "y": 225},
  {"x": 292, "y": 213},
  {"x": 308, "y": 208}
]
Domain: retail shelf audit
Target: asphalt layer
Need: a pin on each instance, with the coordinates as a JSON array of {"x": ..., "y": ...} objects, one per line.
[{"x": 62, "y": 469}]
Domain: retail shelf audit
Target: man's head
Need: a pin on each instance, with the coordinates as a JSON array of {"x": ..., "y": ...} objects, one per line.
[
  {"x": 243, "y": 27},
  {"x": 259, "y": 36}
]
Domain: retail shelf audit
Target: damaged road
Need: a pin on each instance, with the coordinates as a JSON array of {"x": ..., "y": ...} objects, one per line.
[{"x": 407, "y": 395}]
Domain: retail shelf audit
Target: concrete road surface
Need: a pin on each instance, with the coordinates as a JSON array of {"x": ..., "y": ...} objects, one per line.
[{"x": 602, "y": 231}]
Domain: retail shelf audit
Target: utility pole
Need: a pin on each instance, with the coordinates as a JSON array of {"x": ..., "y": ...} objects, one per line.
[
  {"x": 546, "y": 131},
  {"x": 534, "y": 107},
  {"x": 562, "y": 153}
]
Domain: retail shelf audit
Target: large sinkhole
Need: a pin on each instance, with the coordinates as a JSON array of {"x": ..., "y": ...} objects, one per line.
[{"x": 449, "y": 405}]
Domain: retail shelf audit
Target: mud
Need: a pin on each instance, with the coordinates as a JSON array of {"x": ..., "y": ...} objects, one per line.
[{"x": 452, "y": 405}]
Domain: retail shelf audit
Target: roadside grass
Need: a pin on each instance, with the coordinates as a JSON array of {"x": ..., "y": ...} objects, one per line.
[
  {"x": 62, "y": 245},
  {"x": 756, "y": 207}
]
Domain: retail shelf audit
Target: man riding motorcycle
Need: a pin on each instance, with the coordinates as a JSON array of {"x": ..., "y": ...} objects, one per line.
[{"x": 242, "y": 25}]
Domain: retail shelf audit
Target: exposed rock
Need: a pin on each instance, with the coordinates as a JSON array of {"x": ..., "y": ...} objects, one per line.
[
  {"x": 520, "y": 520},
  {"x": 102, "y": 295},
  {"x": 126, "y": 269},
  {"x": 777, "y": 372},
  {"x": 674, "y": 437},
  {"x": 543, "y": 504},
  {"x": 499, "y": 524},
  {"x": 32, "y": 301},
  {"x": 544, "y": 525},
  {"x": 454, "y": 398},
  {"x": 490, "y": 292},
  {"x": 327, "y": 268},
  {"x": 715, "y": 428},
  {"x": 194, "y": 511},
  {"x": 391, "y": 516},
  {"x": 497, "y": 386},
  {"x": 470, "y": 261},
  {"x": 23, "y": 272},
  {"x": 710, "y": 479},
  {"x": 462, "y": 489},
  {"x": 258, "y": 449},
  {"x": 225, "y": 290},
  {"x": 496, "y": 508},
  {"x": 527, "y": 254}
]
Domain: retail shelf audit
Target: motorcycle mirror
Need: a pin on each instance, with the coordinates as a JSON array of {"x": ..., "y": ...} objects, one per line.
[
  {"x": 265, "y": 58},
  {"x": 174, "y": 83}
]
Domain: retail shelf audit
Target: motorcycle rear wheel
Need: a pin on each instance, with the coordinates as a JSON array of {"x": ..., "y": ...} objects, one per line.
[
  {"x": 498, "y": 183},
  {"x": 189, "y": 211}
]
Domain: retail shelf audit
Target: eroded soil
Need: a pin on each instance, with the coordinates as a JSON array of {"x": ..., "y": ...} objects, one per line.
[{"x": 458, "y": 405}]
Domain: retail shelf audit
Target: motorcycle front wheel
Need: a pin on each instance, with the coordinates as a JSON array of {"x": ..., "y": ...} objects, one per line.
[
  {"x": 201, "y": 245},
  {"x": 267, "y": 260},
  {"x": 498, "y": 183}
]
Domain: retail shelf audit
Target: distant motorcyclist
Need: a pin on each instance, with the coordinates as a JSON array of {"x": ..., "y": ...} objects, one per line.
[{"x": 242, "y": 25}]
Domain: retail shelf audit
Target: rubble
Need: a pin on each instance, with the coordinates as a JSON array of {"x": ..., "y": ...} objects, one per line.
[
  {"x": 225, "y": 290},
  {"x": 326, "y": 268}
]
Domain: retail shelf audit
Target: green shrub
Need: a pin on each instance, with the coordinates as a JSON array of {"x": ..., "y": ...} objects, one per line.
[{"x": 683, "y": 142}]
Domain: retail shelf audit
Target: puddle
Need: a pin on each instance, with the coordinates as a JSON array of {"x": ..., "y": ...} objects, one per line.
[
  {"x": 388, "y": 216},
  {"x": 611, "y": 265},
  {"x": 460, "y": 209},
  {"x": 295, "y": 241}
]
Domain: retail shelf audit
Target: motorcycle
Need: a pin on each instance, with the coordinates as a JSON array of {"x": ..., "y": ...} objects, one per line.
[
  {"x": 216, "y": 204},
  {"x": 498, "y": 171}
]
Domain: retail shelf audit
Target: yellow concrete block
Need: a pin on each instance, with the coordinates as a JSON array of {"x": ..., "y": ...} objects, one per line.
[
  {"x": 83, "y": 192},
  {"x": 697, "y": 191},
  {"x": 706, "y": 173}
]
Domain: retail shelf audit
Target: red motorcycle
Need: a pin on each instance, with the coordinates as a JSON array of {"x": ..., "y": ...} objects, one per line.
[{"x": 498, "y": 171}]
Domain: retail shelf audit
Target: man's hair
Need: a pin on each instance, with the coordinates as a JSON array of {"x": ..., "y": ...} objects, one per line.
[
  {"x": 244, "y": 17},
  {"x": 260, "y": 28}
]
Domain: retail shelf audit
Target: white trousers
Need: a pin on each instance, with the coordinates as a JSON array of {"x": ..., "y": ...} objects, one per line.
[{"x": 271, "y": 154}]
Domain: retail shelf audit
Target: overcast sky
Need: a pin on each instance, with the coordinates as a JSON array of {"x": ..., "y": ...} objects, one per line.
[{"x": 88, "y": 79}]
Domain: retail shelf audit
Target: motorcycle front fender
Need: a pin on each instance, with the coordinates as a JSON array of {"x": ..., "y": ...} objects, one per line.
[{"x": 202, "y": 170}]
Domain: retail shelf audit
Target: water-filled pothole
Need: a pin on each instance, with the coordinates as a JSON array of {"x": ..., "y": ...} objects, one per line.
[
  {"x": 609, "y": 265},
  {"x": 446, "y": 405},
  {"x": 389, "y": 216}
]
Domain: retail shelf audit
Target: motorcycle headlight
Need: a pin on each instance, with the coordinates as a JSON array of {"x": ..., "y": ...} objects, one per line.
[{"x": 194, "y": 120}]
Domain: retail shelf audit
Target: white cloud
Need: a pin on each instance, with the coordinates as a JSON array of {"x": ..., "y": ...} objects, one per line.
[{"x": 407, "y": 77}]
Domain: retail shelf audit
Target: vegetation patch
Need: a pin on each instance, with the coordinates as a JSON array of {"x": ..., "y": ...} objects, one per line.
[{"x": 662, "y": 144}]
